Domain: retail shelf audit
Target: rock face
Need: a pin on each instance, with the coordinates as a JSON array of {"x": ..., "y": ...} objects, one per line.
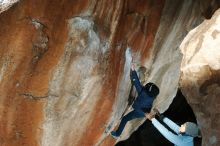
[
  {"x": 64, "y": 65},
  {"x": 200, "y": 76},
  {"x": 6, "y": 4}
]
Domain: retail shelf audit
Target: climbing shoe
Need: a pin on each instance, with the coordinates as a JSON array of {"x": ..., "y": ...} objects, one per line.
[{"x": 114, "y": 135}]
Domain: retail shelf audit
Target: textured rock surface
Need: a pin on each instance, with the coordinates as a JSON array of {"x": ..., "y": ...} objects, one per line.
[
  {"x": 6, "y": 4},
  {"x": 64, "y": 65},
  {"x": 200, "y": 76}
]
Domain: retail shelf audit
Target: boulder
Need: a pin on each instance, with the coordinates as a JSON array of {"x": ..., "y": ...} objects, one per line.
[{"x": 200, "y": 76}]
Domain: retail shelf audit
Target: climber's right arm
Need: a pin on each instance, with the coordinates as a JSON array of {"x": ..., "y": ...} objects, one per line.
[{"x": 135, "y": 80}]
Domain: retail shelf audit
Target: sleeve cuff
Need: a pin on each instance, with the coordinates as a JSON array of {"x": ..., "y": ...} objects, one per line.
[{"x": 153, "y": 120}]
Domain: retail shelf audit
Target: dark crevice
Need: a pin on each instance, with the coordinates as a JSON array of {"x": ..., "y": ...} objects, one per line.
[
  {"x": 146, "y": 135},
  {"x": 30, "y": 96},
  {"x": 210, "y": 9},
  {"x": 34, "y": 97}
]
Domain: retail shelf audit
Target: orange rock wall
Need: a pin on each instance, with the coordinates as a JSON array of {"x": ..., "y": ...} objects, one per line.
[
  {"x": 27, "y": 66},
  {"x": 63, "y": 75},
  {"x": 33, "y": 37}
]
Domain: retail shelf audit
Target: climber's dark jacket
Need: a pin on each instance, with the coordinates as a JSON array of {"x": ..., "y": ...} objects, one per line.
[{"x": 143, "y": 101}]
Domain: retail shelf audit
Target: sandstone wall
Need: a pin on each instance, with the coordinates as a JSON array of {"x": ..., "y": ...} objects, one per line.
[
  {"x": 200, "y": 76},
  {"x": 64, "y": 65}
]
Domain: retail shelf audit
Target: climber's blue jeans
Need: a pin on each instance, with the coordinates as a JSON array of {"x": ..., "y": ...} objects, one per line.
[{"x": 130, "y": 116}]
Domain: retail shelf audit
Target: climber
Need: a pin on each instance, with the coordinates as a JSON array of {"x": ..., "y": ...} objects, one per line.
[
  {"x": 141, "y": 105},
  {"x": 183, "y": 135}
]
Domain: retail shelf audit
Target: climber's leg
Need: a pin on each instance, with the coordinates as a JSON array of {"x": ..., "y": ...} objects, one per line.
[{"x": 132, "y": 115}]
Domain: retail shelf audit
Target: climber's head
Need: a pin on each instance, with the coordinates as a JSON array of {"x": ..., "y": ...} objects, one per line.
[
  {"x": 152, "y": 89},
  {"x": 189, "y": 128}
]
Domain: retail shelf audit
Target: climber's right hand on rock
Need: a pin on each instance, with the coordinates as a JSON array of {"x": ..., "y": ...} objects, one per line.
[{"x": 132, "y": 66}]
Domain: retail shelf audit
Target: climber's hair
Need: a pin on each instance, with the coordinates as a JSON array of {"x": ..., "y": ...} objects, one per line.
[{"x": 152, "y": 89}]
